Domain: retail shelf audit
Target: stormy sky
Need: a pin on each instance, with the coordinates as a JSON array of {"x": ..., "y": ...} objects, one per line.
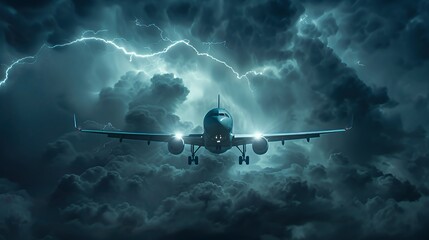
[{"x": 284, "y": 65}]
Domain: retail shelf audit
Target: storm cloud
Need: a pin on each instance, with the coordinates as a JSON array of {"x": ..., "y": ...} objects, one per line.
[{"x": 278, "y": 65}]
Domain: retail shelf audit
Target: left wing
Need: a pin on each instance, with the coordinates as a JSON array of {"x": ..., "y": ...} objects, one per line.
[
  {"x": 194, "y": 139},
  {"x": 240, "y": 139}
]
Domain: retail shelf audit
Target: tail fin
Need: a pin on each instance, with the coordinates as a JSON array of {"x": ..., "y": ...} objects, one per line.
[
  {"x": 218, "y": 101},
  {"x": 350, "y": 124}
]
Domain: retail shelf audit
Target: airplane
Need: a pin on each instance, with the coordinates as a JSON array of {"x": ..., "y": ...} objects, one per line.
[{"x": 218, "y": 137}]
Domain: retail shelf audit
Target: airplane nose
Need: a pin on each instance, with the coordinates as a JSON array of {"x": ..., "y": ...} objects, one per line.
[
  {"x": 219, "y": 118},
  {"x": 215, "y": 122}
]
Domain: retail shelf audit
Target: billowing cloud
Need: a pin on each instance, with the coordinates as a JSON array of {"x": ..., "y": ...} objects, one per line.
[{"x": 309, "y": 64}]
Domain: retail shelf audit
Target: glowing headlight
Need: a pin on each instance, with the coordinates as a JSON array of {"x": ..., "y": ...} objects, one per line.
[{"x": 257, "y": 135}]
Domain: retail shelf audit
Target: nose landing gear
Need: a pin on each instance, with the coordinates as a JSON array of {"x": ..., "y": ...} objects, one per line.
[{"x": 243, "y": 156}]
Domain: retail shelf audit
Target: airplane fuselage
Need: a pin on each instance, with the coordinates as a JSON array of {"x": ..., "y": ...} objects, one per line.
[{"x": 218, "y": 135}]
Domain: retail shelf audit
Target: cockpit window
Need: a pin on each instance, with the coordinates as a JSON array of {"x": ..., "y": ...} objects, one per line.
[{"x": 218, "y": 113}]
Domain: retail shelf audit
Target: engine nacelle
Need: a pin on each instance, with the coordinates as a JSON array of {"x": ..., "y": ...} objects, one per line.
[
  {"x": 176, "y": 145},
  {"x": 260, "y": 145}
]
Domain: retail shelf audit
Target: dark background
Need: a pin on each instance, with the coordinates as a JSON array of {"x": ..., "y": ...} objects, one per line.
[{"x": 310, "y": 65}]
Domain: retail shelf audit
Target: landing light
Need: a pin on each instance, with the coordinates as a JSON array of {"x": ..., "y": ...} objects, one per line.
[
  {"x": 178, "y": 135},
  {"x": 257, "y": 135}
]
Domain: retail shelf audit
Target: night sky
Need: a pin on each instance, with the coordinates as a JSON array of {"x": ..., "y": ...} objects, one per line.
[{"x": 279, "y": 66}]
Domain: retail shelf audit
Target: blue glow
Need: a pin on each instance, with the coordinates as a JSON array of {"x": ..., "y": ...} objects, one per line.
[{"x": 129, "y": 53}]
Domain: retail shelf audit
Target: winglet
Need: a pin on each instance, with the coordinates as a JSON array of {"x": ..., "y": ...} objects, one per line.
[
  {"x": 351, "y": 124},
  {"x": 218, "y": 101},
  {"x": 75, "y": 122}
]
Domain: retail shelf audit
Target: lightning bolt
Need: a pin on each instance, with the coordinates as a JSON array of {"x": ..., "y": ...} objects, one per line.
[
  {"x": 209, "y": 44},
  {"x": 125, "y": 51},
  {"x": 19, "y": 61},
  {"x": 161, "y": 32}
]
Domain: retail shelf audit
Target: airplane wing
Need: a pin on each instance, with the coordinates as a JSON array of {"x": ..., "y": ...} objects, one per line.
[
  {"x": 194, "y": 139},
  {"x": 240, "y": 139}
]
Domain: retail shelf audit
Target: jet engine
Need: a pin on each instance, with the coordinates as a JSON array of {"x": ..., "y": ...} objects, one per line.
[
  {"x": 176, "y": 145},
  {"x": 260, "y": 145}
]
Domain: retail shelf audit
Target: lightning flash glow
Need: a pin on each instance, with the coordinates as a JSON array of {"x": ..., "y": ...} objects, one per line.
[
  {"x": 178, "y": 135},
  {"x": 257, "y": 135},
  {"x": 125, "y": 51}
]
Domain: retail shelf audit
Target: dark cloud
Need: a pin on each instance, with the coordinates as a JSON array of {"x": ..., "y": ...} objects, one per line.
[
  {"x": 319, "y": 63},
  {"x": 182, "y": 13},
  {"x": 15, "y": 213},
  {"x": 344, "y": 95},
  {"x": 162, "y": 84}
]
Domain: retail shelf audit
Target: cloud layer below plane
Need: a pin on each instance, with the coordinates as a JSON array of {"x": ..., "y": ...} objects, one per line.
[{"x": 319, "y": 62}]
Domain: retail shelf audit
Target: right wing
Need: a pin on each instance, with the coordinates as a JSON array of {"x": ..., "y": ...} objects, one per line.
[
  {"x": 240, "y": 139},
  {"x": 193, "y": 139}
]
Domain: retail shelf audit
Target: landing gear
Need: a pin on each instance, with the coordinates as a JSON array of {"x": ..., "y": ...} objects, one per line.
[
  {"x": 190, "y": 160},
  {"x": 193, "y": 158},
  {"x": 243, "y": 156}
]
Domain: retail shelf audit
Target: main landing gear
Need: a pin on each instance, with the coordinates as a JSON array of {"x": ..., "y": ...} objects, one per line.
[
  {"x": 243, "y": 156},
  {"x": 193, "y": 158}
]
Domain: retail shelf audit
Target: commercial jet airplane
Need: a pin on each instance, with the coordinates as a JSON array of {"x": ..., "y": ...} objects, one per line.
[{"x": 218, "y": 137}]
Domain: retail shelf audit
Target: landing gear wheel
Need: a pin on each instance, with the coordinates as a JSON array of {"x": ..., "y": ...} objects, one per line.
[
  {"x": 193, "y": 158},
  {"x": 243, "y": 157}
]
